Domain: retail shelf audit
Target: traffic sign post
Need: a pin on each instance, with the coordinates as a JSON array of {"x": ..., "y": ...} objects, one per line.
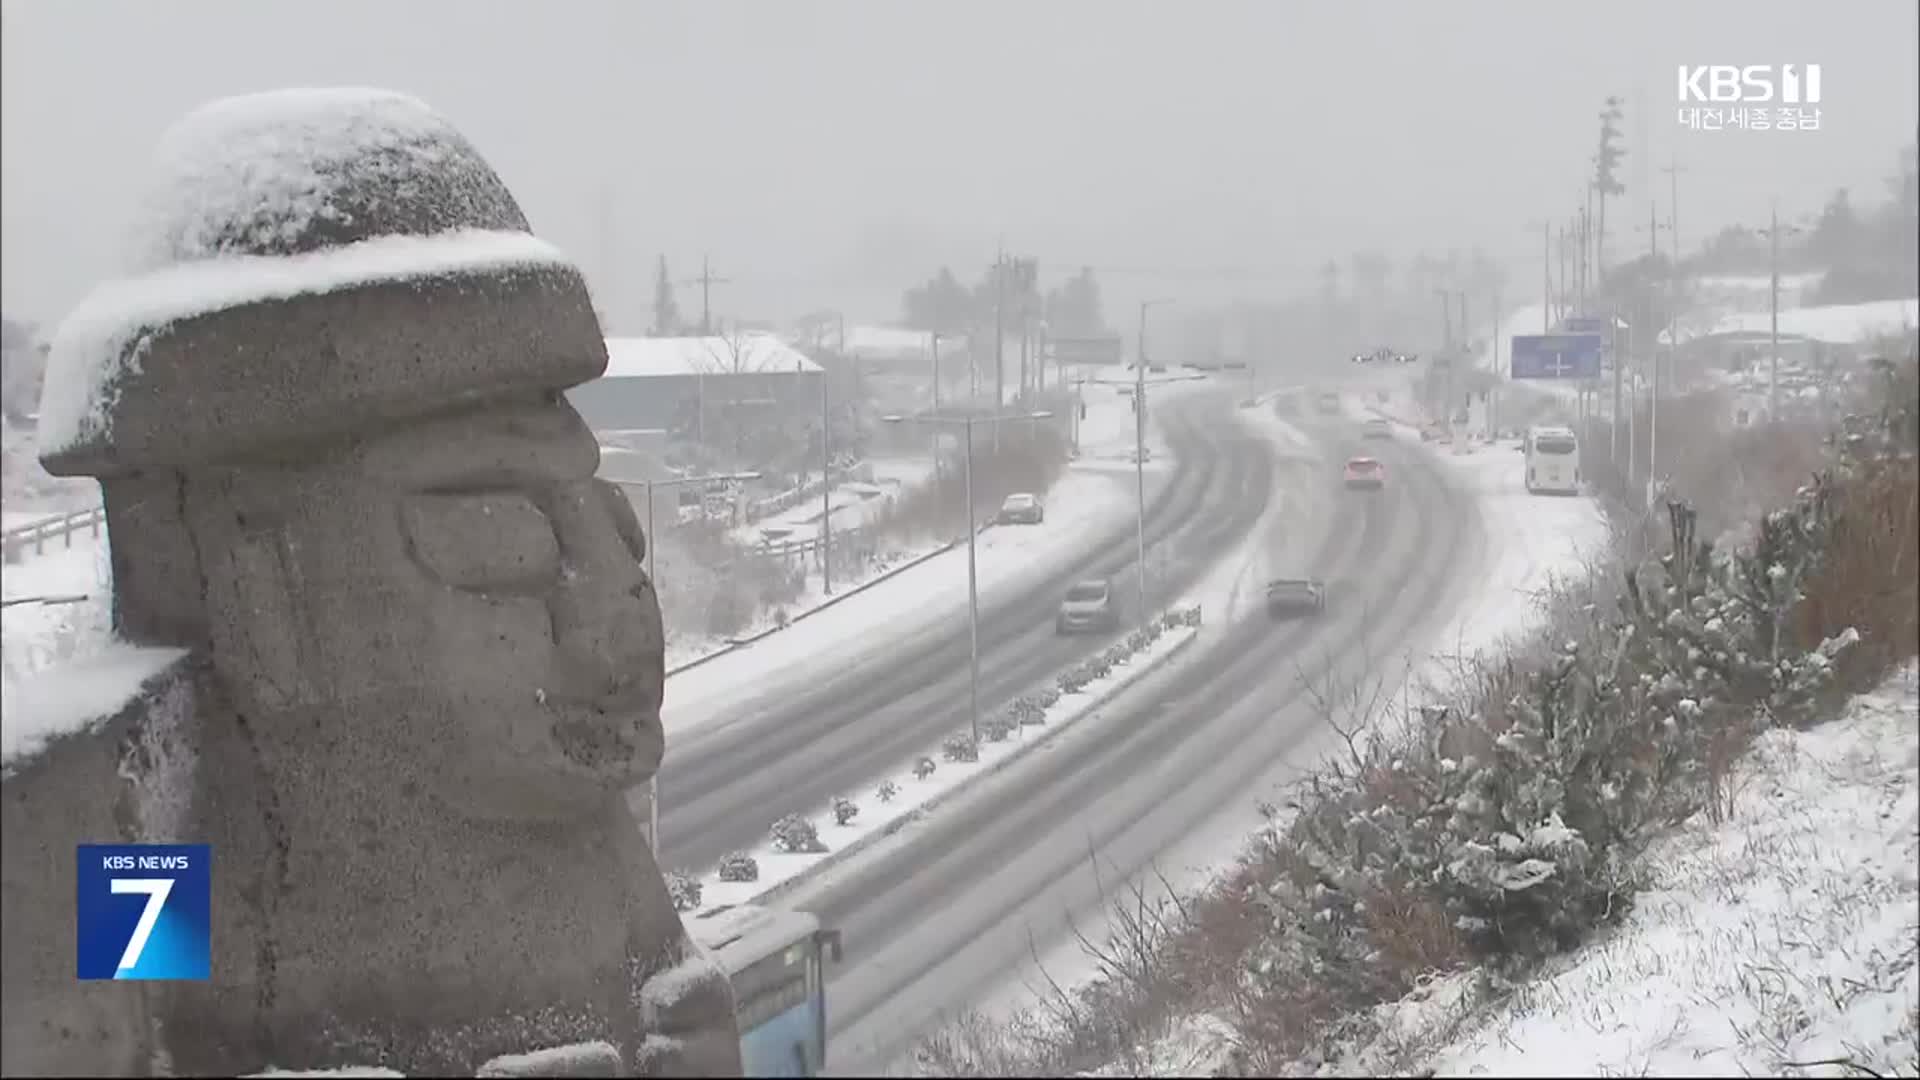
[{"x": 1556, "y": 356}]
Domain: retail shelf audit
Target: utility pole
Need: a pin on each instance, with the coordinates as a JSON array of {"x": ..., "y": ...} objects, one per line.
[
  {"x": 1773, "y": 311},
  {"x": 826, "y": 486},
  {"x": 707, "y": 281},
  {"x": 935, "y": 336},
  {"x": 999, "y": 340},
  {"x": 1466, "y": 349},
  {"x": 1140, "y": 457},
  {"x": 1546, "y": 274},
  {"x": 999, "y": 336},
  {"x": 1673, "y": 172}
]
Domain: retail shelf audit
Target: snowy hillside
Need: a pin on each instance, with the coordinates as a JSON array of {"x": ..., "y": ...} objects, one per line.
[{"x": 1779, "y": 940}]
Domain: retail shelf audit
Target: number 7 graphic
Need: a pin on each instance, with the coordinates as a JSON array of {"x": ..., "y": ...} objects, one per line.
[{"x": 156, "y": 890}]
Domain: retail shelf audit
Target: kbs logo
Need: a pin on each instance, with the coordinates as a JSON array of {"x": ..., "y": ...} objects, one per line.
[
  {"x": 143, "y": 911},
  {"x": 1755, "y": 84}
]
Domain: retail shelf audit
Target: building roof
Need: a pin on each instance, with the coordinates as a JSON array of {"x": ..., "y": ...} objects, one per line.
[{"x": 743, "y": 354}]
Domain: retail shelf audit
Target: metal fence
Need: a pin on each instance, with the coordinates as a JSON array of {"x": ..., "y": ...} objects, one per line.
[{"x": 54, "y": 532}]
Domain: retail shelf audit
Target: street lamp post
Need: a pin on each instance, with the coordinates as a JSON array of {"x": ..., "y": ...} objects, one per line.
[
  {"x": 1140, "y": 455},
  {"x": 973, "y": 533},
  {"x": 653, "y": 544}
]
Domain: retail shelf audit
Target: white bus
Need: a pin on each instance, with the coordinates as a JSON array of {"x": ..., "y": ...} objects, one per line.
[{"x": 1553, "y": 461}]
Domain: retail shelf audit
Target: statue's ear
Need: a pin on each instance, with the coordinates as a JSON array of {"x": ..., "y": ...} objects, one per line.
[{"x": 255, "y": 617}]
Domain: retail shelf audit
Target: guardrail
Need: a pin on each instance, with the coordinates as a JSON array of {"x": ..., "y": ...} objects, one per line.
[{"x": 40, "y": 534}]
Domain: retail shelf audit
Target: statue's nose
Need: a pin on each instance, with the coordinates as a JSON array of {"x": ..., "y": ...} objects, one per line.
[{"x": 606, "y": 618}]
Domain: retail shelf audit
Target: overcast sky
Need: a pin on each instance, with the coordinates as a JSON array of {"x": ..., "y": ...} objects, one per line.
[{"x": 829, "y": 153}]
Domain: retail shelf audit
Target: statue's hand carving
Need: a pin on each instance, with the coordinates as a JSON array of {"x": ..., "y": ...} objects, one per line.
[{"x": 688, "y": 1012}]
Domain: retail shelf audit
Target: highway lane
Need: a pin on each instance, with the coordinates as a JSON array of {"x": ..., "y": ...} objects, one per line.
[
  {"x": 722, "y": 792},
  {"x": 941, "y": 912}
]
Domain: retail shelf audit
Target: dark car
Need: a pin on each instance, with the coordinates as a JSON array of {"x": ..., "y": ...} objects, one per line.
[
  {"x": 1288, "y": 597},
  {"x": 1088, "y": 605}
]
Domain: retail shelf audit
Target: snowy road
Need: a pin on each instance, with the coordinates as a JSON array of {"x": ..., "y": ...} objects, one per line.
[
  {"x": 724, "y": 784},
  {"x": 935, "y": 916}
]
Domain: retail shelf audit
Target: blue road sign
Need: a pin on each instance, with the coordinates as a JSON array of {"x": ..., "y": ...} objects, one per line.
[
  {"x": 1584, "y": 324},
  {"x": 1556, "y": 356}
]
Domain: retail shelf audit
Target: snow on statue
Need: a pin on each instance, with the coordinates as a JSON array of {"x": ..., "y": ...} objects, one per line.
[{"x": 422, "y": 662}]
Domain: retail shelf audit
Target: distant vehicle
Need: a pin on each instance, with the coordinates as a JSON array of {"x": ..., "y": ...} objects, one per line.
[
  {"x": 1376, "y": 427},
  {"x": 1140, "y": 454},
  {"x": 1328, "y": 403},
  {"x": 1553, "y": 461},
  {"x": 1089, "y": 605},
  {"x": 1021, "y": 508},
  {"x": 1364, "y": 473},
  {"x": 776, "y": 961},
  {"x": 1295, "y": 596}
]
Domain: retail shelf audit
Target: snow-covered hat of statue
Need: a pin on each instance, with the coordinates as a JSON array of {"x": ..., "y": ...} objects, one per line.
[{"x": 307, "y": 265}]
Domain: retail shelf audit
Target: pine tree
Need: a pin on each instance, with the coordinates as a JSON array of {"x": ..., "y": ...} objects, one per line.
[{"x": 666, "y": 310}]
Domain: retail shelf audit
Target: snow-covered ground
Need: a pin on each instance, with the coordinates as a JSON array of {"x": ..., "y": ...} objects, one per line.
[
  {"x": 35, "y": 635},
  {"x": 1835, "y": 323},
  {"x": 1089, "y": 498},
  {"x": 855, "y": 505},
  {"x": 1539, "y": 542},
  {"x": 1781, "y": 941},
  {"x": 911, "y": 794}
]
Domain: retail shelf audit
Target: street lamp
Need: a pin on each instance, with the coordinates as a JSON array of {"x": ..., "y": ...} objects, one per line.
[
  {"x": 676, "y": 481},
  {"x": 653, "y": 544},
  {"x": 1140, "y": 454},
  {"x": 973, "y": 532}
]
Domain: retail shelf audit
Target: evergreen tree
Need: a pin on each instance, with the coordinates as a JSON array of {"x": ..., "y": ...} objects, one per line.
[{"x": 666, "y": 309}]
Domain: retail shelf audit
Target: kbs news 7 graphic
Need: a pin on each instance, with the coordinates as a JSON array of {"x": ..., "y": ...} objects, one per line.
[{"x": 143, "y": 911}]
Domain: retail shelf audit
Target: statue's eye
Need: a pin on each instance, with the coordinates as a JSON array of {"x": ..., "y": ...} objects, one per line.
[{"x": 492, "y": 541}]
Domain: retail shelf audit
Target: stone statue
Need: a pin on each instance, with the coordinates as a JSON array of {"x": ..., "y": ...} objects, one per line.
[{"x": 424, "y": 660}]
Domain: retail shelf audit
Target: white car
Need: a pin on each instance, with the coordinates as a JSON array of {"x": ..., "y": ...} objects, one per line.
[{"x": 1021, "y": 508}]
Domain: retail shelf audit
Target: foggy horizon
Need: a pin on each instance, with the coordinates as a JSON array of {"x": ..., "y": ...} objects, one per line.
[{"x": 831, "y": 155}]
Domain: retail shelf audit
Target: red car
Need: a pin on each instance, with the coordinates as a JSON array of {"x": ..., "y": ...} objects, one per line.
[{"x": 1365, "y": 473}]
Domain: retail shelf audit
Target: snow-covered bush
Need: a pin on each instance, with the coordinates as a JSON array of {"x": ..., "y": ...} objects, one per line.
[
  {"x": 739, "y": 866},
  {"x": 960, "y": 746},
  {"x": 1031, "y": 709},
  {"x": 684, "y": 888},
  {"x": 796, "y": 834},
  {"x": 1099, "y": 667},
  {"x": 1048, "y": 698},
  {"x": 1076, "y": 679},
  {"x": 886, "y": 791},
  {"x": 844, "y": 810},
  {"x": 923, "y": 768},
  {"x": 999, "y": 727}
]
